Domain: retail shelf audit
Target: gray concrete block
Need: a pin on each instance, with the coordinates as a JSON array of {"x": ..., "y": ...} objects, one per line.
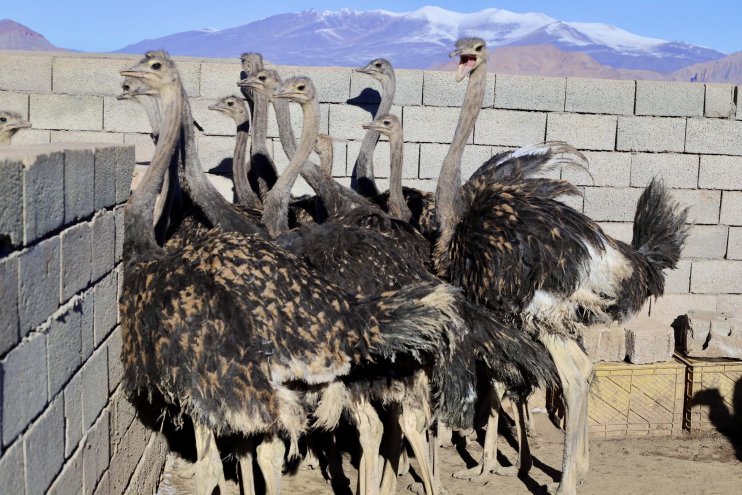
[
  {"x": 104, "y": 485},
  {"x": 431, "y": 159},
  {"x": 79, "y": 180},
  {"x": 125, "y": 160},
  {"x": 530, "y": 92},
  {"x": 670, "y": 99},
  {"x": 190, "y": 76},
  {"x": 716, "y": 276},
  {"x": 649, "y": 341},
  {"x": 410, "y": 159},
  {"x": 119, "y": 224},
  {"x": 11, "y": 201},
  {"x": 720, "y": 101},
  {"x": 675, "y": 170},
  {"x": 729, "y": 303},
  {"x": 213, "y": 151},
  {"x": 9, "y": 323},
  {"x": 124, "y": 116},
  {"x": 115, "y": 365},
  {"x": 94, "y": 386},
  {"x": 145, "y": 479},
  {"x": 734, "y": 250},
  {"x": 72, "y": 414},
  {"x": 296, "y": 115},
  {"x": 501, "y": 127},
  {"x": 43, "y": 194},
  {"x": 714, "y": 136},
  {"x": 68, "y": 112},
  {"x": 703, "y": 205},
  {"x": 87, "y": 305},
  {"x": 600, "y": 96},
  {"x": 44, "y": 449},
  {"x": 96, "y": 453},
  {"x": 76, "y": 259},
  {"x": 712, "y": 335},
  {"x": 105, "y": 176},
  {"x": 650, "y": 134},
  {"x": 589, "y": 132},
  {"x": 39, "y": 277},
  {"x": 14, "y": 102},
  {"x": 677, "y": 281},
  {"x": 144, "y": 148},
  {"x": 106, "y": 307},
  {"x": 23, "y": 373},
  {"x": 605, "y": 343},
  {"x": 720, "y": 172},
  {"x": 212, "y": 122},
  {"x": 346, "y": 121},
  {"x": 668, "y": 308},
  {"x": 409, "y": 90},
  {"x": 574, "y": 202},
  {"x": 69, "y": 481},
  {"x": 622, "y": 231},
  {"x": 32, "y": 136},
  {"x": 224, "y": 185},
  {"x": 127, "y": 456},
  {"x": 122, "y": 416},
  {"x": 611, "y": 204},
  {"x": 219, "y": 79},
  {"x": 104, "y": 244},
  {"x": 64, "y": 348},
  {"x": 98, "y": 137},
  {"x": 440, "y": 89},
  {"x": 707, "y": 242},
  {"x": 26, "y": 72},
  {"x": 332, "y": 83},
  {"x": 731, "y": 208},
  {"x": 11, "y": 469},
  {"x": 604, "y": 169},
  {"x": 89, "y": 76}
]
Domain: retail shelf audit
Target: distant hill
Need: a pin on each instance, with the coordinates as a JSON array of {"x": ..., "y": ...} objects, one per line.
[
  {"x": 16, "y": 36},
  {"x": 723, "y": 70}
]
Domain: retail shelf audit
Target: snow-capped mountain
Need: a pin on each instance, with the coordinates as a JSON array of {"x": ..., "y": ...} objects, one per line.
[{"x": 422, "y": 38}]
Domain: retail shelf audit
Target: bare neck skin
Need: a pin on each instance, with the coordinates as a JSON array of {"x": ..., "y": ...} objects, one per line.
[
  {"x": 241, "y": 167},
  {"x": 139, "y": 235},
  {"x": 397, "y": 205},
  {"x": 5, "y": 138},
  {"x": 448, "y": 194},
  {"x": 363, "y": 179},
  {"x": 275, "y": 213},
  {"x": 262, "y": 165}
]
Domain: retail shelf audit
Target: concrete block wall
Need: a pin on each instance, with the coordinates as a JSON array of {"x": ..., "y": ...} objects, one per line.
[
  {"x": 65, "y": 425},
  {"x": 689, "y": 134}
]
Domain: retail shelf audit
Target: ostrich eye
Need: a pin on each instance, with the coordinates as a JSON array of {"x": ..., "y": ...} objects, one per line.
[
  {"x": 301, "y": 87},
  {"x": 157, "y": 66},
  {"x": 386, "y": 122},
  {"x": 125, "y": 87},
  {"x": 478, "y": 48},
  {"x": 3, "y": 119},
  {"x": 377, "y": 65},
  {"x": 230, "y": 103},
  {"x": 262, "y": 78}
]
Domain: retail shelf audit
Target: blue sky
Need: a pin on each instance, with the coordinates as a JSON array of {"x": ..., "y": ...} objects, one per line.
[{"x": 99, "y": 25}]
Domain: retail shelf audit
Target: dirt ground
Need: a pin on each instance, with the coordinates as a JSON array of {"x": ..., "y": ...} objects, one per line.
[{"x": 697, "y": 465}]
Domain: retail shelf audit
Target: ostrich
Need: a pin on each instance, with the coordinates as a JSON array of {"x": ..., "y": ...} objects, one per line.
[
  {"x": 323, "y": 148},
  {"x": 10, "y": 123},
  {"x": 509, "y": 246},
  {"x": 232, "y": 329}
]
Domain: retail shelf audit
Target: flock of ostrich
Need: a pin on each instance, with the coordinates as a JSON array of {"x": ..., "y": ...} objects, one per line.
[{"x": 276, "y": 317}]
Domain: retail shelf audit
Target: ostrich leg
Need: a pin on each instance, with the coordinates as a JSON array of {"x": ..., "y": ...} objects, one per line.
[
  {"x": 414, "y": 427},
  {"x": 574, "y": 372},
  {"x": 525, "y": 462},
  {"x": 270, "y": 459},
  {"x": 369, "y": 436},
  {"x": 246, "y": 473},
  {"x": 209, "y": 472},
  {"x": 393, "y": 453}
]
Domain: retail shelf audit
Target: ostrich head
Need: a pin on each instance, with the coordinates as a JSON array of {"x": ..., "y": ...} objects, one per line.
[
  {"x": 386, "y": 124},
  {"x": 264, "y": 81},
  {"x": 471, "y": 52},
  {"x": 156, "y": 70},
  {"x": 10, "y": 123},
  {"x": 378, "y": 68},
  {"x": 251, "y": 63},
  {"x": 231, "y": 106},
  {"x": 297, "y": 89},
  {"x": 133, "y": 87}
]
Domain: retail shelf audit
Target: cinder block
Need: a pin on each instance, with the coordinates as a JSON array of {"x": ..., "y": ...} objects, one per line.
[
  {"x": 104, "y": 244},
  {"x": 501, "y": 127},
  {"x": 98, "y": 137},
  {"x": 105, "y": 176},
  {"x": 675, "y": 170},
  {"x": 124, "y": 116},
  {"x": 530, "y": 92},
  {"x": 712, "y": 335},
  {"x": 76, "y": 259},
  {"x": 219, "y": 79},
  {"x": 145, "y": 480},
  {"x": 431, "y": 159},
  {"x": 604, "y": 169},
  {"x": 26, "y": 72},
  {"x": 332, "y": 83},
  {"x": 605, "y": 343},
  {"x": 87, "y": 305},
  {"x": 720, "y": 101},
  {"x": 106, "y": 307},
  {"x": 125, "y": 160},
  {"x": 224, "y": 185},
  {"x": 670, "y": 99},
  {"x": 115, "y": 365},
  {"x": 297, "y": 118},
  {"x": 650, "y": 134},
  {"x": 731, "y": 208},
  {"x": 729, "y": 303},
  {"x": 720, "y": 172},
  {"x": 39, "y": 277},
  {"x": 24, "y": 386},
  {"x": 79, "y": 173},
  {"x": 89, "y": 76},
  {"x": 409, "y": 90},
  {"x": 425, "y": 185},
  {"x": 346, "y": 121},
  {"x": 212, "y": 122},
  {"x": 8, "y": 303},
  {"x": 703, "y": 205},
  {"x": 591, "y": 132},
  {"x": 127, "y": 456},
  {"x": 190, "y": 75},
  {"x": 72, "y": 414},
  {"x": 43, "y": 194},
  {"x": 119, "y": 224},
  {"x": 144, "y": 147},
  {"x": 122, "y": 415},
  {"x": 677, "y": 281},
  {"x": 44, "y": 448},
  {"x": 96, "y": 454},
  {"x": 69, "y": 480},
  {"x": 215, "y": 152},
  {"x": 69, "y": 112},
  {"x": 11, "y": 201},
  {"x": 11, "y": 469},
  {"x": 600, "y": 96},
  {"x": 649, "y": 341},
  {"x": 104, "y": 485},
  {"x": 622, "y": 231},
  {"x": 574, "y": 202},
  {"x": 64, "y": 348},
  {"x": 94, "y": 387},
  {"x": 706, "y": 241},
  {"x": 32, "y": 136},
  {"x": 716, "y": 276},
  {"x": 714, "y": 136},
  {"x": 440, "y": 89},
  {"x": 611, "y": 204},
  {"x": 410, "y": 159},
  {"x": 14, "y": 102},
  {"x": 734, "y": 251}
]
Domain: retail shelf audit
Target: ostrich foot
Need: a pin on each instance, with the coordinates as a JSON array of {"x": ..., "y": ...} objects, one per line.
[
  {"x": 419, "y": 489},
  {"x": 556, "y": 488},
  {"x": 510, "y": 471},
  {"x": 404, "y": 463},
  {"x": 478, "y": 472}
]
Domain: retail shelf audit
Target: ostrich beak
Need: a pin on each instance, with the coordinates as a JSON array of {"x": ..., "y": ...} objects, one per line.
[
  {"x": 124, "y": 96},
  {"x": 371, "y": 126},
  {"x": 133, "y": 72},
  {"x": 244, "y": 83},
  {"x": 20, "y": 124}
]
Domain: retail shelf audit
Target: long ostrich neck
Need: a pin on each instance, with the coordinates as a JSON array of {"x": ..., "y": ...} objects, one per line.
[
  {"x": 139, "y": 235},
  {"x": 363, "y": 179},
  {"x": 275, "y": 213},
  {"x": 285, "y": 131},
  {"x": 152, "y": 107},
  {"x": 448, "y": 194},
  {"x": 5, "y": 138},
  {"x": 241, "y": 167},
  {"x": 260, "y": 123},
  {"x": 397, "y": 205}
]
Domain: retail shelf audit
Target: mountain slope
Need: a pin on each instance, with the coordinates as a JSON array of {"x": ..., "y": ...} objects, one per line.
[
  {"x": 723, "y": 70},
  {"x": 16, "y": 36}
]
